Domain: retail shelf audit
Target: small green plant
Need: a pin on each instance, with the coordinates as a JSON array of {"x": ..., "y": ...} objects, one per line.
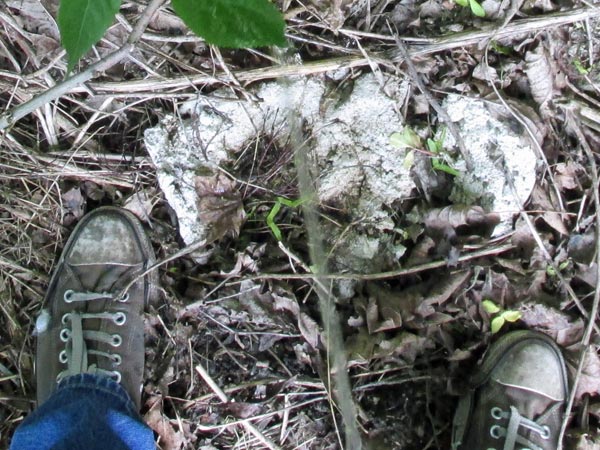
[
  {"x": 499, "y": 316},
  {"x": 279, "y": 202},
  {"x": 476, "y": 8},
  {"x": 580, "y": 67},
  {"x": 551, "y": 271},
  {"x": 225, "y": 23},
  {"x": 437, "y": 147},
  {"x": 411, "y": 140}
]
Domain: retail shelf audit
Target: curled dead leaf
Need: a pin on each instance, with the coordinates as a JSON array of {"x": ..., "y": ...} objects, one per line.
[
  {"x": 540, "y": 74},
  {"x": 219, "y": 205}
]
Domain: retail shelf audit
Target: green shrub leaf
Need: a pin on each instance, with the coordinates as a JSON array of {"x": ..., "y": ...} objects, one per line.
[
  {"x": 82, "y": 23},
  {"x": 233, "y": 23},
  {"x": 408, "y": 138},
  {"x": 497, "y": 323},
  {"x": 511, "y": 315},
  {"x": 476, "y": 8},
  {"x": 490, "y": 307}
]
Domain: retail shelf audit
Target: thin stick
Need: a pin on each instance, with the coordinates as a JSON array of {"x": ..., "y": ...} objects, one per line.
[
  {"x": 380, "y": 275},
  {"x": 10, "y": 117}
]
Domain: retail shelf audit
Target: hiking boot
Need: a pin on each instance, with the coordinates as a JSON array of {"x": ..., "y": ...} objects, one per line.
[
  {"x": 88, "y": 324},
  {"x": 517, "y": 398}
]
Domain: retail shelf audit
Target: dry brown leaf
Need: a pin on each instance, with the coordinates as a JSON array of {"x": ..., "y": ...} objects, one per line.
[
  {"x": 589, "y": 381},
  {"x": 241, "y": 410},
  {"x": 441, "y": 291},
  {"x": 73, "y": 202},
  {"x": 169, "y": 438},
  {"x": 35, "y": 18},
  {"x": 442, "y": 220},
  {"x": 390, "y": 317},
  {"x": 310, "y": 330},
  {"x": 219, "y": 206},
  {"x": 566, "y": 175},
  {"x": 140, "y": 204},
  {"x": 544, "y": 199},
  {"x": 540, "y": 74},
  {"x": 565, "y": 330}
]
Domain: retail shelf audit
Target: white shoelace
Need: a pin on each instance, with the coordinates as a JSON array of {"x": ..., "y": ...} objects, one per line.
[
  {"x": 511, "y": 432},
  {"x": 74, "y": 335}
]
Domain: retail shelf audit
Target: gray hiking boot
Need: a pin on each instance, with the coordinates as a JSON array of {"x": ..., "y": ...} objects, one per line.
[
  {"x": 517, "y": 398},
  {"x": 86, "y": 326}
]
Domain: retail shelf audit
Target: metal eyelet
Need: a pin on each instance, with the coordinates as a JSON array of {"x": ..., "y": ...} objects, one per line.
[
  {"x": 65, "y": 335},
  {"x": 125, "y": 298},
  {"x": 546, "y": 433},
  {"x": 65, "y": 318},
  {"x": 120, "y": 318},
  {"x": 116, "y": 341},
  {"x": 497, "y": 413},
  {"x": 117, "y": 376},
  {"x": 117, "y": 360},
  {"x": 62, "y": 357},
  {"x": 495, "y": 432},
  {"x": 68, "y": 296}
]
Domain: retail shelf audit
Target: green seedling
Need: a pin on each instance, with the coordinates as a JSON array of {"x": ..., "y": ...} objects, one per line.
[
  {"x": 436, "y": 146},
  {"x": 279, "y": 202},
  {"x": 408, "y": 139},
  {"x": 551, "y": 271},
  {"x": 499, "y": 316},
  {"x": 580, "y": 67},
  {"x": 476, "y": 8}
]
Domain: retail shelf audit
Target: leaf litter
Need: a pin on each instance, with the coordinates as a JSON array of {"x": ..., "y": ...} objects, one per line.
[{"x": 244, "y": 310}]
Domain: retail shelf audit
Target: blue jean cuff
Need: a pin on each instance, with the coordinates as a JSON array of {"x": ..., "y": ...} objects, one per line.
[{"x": 99, "y": 383}]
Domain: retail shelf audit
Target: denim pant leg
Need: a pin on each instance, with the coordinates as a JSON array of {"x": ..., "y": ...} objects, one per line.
[{"x": 87, "y": 412}]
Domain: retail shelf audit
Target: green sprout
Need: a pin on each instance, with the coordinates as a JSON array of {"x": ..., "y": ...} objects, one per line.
[
  {"x": 279, "y": 202},
  {"x": 580, "y": 67},
  {"x": 476, "y": 8},
  {"x": 437, "y": 147},
  {"x": 411, "y": 140},
  {"x": 499, "y": 316}
]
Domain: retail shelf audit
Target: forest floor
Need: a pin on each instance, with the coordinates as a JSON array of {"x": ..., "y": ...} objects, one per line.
[{"x": 238, "y": 355}]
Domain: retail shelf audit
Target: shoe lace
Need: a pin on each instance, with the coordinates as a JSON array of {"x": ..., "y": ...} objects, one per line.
[
  {"x": 511, "y": 432},
  {"x": 75, "y": 336}
]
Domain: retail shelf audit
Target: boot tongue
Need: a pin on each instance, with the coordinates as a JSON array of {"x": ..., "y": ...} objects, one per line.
[{"x": 103, "y": 277}]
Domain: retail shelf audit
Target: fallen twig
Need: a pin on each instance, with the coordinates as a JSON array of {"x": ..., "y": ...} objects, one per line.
[{"x": 380, "y": 275}]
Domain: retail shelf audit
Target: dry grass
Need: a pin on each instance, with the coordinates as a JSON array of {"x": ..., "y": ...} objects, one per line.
[{"x": 210, "y": 340}]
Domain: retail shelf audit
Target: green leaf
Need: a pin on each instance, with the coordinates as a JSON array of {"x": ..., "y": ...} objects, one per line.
[
  {"x": 497, "y": 323},
  {"x": 271, "y": 220},
  {"x": 233, "y": 23},
  {"x": 580, "y": 68},
  {"x": 82, "y": 23},
  {"x": 408, "y": 138},
  {"x": 438, "y": 165},
  {"x": 409, "y": 160},
  {"x": 462, "y": 2},
  {"x": 490, "y": 307},
  {"x": 511, "y": 316},
  {"x": 476, "y": 8}
]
